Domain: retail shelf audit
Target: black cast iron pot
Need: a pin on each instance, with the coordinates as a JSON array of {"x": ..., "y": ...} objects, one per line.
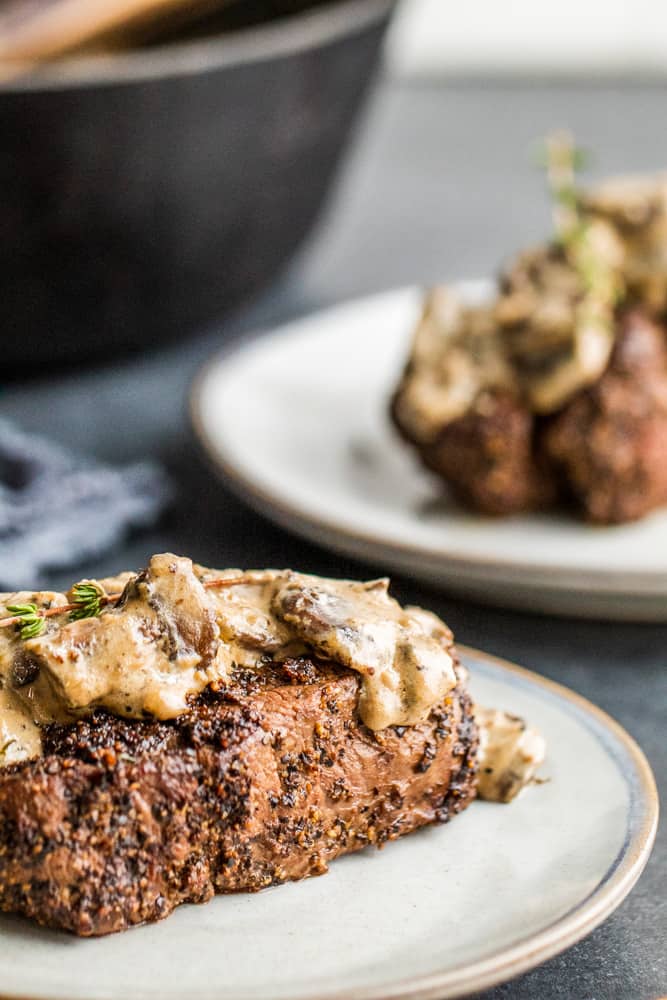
[{"x": 142, "y": 195}]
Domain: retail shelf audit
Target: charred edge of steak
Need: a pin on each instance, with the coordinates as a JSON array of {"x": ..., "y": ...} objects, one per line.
[{"x": 264, "y": 782}]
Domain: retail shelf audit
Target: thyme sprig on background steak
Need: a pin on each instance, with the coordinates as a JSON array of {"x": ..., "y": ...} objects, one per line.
[
  {"x": 585, "y": 242},
  {"x": 562, "y": 160},
  {"x": 90, "y": 599}
]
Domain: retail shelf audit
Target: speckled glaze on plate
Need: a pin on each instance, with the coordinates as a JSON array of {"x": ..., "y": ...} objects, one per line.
[
  {"x": 442, "y": 913},
  {"x": 296, "y": 421}
]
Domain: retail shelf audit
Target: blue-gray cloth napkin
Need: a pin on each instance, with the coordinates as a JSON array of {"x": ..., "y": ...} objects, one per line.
[{"x": 58, "y": 509}]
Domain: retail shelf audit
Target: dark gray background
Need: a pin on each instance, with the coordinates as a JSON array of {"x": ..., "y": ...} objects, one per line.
[{"x": 439, "y": 184}]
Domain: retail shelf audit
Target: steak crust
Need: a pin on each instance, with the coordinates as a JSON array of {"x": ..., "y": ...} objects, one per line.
[
  {"x": 262, "y": 782},
  {"x": 488, "y": 457},
  {"x": 610, "y": 443}
]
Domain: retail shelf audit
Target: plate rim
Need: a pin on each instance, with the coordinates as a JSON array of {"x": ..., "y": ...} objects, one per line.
[
  {"x": 361, "y": 544},
  {"x": 580, "y": 920}
]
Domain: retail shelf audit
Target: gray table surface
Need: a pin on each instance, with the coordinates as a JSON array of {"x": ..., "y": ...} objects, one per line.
[{"x": 439, "y": 183}]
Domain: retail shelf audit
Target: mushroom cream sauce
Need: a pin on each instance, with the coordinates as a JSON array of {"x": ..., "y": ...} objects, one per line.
[
  {"x": 550, "y": 329},
  {"x": 169, "y": 637}
]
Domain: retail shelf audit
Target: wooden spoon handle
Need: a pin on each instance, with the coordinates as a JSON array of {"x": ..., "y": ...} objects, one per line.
[{"x": 32, "y": 31}]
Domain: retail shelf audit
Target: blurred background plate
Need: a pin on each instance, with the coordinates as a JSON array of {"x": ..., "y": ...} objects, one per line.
[
  {"x": 297, "y": 422},
  {"x": 145, "y": 193}
]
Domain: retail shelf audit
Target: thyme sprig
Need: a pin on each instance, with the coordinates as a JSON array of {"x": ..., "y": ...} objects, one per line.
[
  {"x": 562, "y": 160},
  {"x": 29, "y": 621},
  {"x": 90, "y": 599},
  {"x": 592, "y": 249}
]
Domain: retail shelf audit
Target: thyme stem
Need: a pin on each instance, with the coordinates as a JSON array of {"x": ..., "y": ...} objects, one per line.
[
  {"x": 236, "y": 581},
  {"x": 590, "y": 247},
  {"x": 562, "y": 160},
  {"x": 60, "y": 609},
  {"x": 30, "y": 619}
]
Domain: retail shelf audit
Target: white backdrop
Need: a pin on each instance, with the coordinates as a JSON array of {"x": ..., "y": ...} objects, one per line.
[{"x": 528, "y": 36}]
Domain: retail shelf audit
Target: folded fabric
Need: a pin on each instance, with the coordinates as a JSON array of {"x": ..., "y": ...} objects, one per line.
[{"x": 58, "y": 509}]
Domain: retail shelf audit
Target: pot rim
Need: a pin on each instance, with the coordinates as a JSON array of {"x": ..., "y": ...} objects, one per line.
[{"x": 272, "y": 40}]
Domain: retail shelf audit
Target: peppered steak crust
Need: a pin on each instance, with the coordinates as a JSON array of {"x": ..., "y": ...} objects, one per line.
[
  {"x": 264, "y": 781},
  {"x": 489, "y": 458},
  {"x": 610, "y": 442}
]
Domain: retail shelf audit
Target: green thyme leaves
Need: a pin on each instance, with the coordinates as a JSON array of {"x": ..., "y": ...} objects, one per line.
[
  {"x": 590, "y": 244},
  {"x": 90, "y": 598},
  {"x": 562, "y": 160},
  {"x": 31, "y": 622}
]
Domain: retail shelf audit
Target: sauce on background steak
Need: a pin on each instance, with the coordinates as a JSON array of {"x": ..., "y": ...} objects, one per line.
[
  {"x": 195, "y": 739},
  {"x": 553, "y": 392}
]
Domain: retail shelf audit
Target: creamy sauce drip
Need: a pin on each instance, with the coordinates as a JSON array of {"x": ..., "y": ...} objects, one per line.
[
  {"x": 169, "y": 637},
  {"x": 24, "y": 703},
  {"x": 636, "y": 206},
  {"x": 400, "y": 653},
  {"x": 509, "y": 754},
  {"x": 456, "y": 355},
  {"x": 146, "y": 656}
]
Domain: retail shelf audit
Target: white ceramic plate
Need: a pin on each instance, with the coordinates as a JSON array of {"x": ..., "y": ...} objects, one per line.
[
  {"x": 444, "y": 912},
  {"x": 297, "y": 422}
]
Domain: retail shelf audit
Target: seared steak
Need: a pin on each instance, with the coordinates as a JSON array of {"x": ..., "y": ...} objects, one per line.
[
  {"x": 609, "y": 444},
  {"x": 604, "y": 452},
  {"x": 554, "y": 389},
  {"x": 488, "y": 457},
  {"x": 266, "y": 780},
  {"x": 209, "y": 732}
]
